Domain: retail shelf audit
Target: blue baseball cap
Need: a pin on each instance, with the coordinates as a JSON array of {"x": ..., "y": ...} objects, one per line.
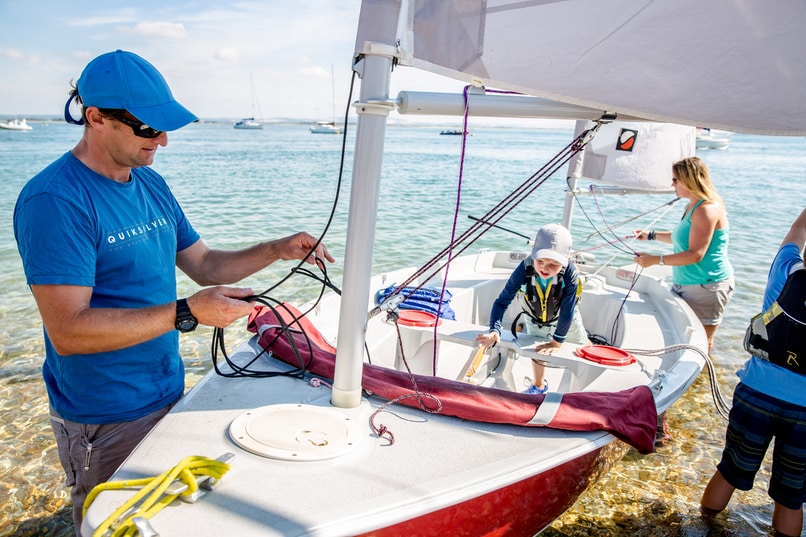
[{"x": 124, "y": 80}]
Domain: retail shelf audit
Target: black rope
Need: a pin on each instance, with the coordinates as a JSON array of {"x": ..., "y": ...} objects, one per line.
[{"x": 218, "y": 344}]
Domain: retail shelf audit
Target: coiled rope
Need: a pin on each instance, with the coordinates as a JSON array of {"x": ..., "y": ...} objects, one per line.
[{"x": 154, "y": 494}]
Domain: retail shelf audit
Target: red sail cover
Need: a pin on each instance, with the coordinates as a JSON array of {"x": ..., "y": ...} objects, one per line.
[{"x": 630, "y": 415}]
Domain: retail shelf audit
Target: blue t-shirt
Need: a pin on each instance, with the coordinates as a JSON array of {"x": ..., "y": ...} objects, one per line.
[
  {"x": 76, "y": 227},
  {"x": 517, "y": 280},
  {"x": 762, "y": 375}
]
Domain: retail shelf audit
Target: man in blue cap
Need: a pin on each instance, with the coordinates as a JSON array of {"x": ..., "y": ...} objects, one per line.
[{"x": 100, "y": 235}]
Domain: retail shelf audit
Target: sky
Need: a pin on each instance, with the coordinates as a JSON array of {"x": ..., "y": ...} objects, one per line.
[{"x": 208, "y": 50}]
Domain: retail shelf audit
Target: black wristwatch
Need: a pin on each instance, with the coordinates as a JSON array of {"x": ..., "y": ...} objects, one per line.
[{"x": 185, "y": 321}]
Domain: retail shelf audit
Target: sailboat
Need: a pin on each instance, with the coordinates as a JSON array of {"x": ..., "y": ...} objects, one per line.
[
  {"x": 706, "y": 139},
  {"x": 250, "y": 122},
  {"x": 460, "y": 451},
  {"x": 328, "y": 126},
  {"x": 16, "y": 125}
]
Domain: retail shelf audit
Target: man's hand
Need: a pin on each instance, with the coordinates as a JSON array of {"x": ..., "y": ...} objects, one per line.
[
  {"x": 219, "y": 306},
  {"x": 298, "y": 245}
]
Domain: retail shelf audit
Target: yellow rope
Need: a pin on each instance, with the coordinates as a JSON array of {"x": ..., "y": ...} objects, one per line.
[{"x": 152, "y": 496}]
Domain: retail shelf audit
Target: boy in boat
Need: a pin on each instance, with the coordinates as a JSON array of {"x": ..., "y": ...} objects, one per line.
[
  {"x": 770, "y": 399},
  {"x": 101, "y": 235},
  {"x": 548, "y": 284}
]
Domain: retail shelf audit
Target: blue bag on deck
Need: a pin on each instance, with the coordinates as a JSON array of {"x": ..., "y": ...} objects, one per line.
[{"x": 422, "y": 299}]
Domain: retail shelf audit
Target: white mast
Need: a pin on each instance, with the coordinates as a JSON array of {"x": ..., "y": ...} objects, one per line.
[{"x": 372, "y": 110}]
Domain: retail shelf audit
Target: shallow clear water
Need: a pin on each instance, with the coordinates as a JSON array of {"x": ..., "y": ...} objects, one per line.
[{"x": 241, "y": 186}]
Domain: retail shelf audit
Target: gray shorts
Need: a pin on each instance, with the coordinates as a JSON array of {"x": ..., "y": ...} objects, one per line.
[
  {"x": 708, "y": 300},
  {"x": 90, "y": 453},
  {"x": 576, "y": 333}
]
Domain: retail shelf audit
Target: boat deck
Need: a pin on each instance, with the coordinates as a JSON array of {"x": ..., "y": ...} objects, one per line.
[
  {"x": 464, "y": 461},
  {"x": 358, "y": 488}
]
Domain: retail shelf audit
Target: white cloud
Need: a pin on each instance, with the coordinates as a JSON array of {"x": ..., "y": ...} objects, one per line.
[
  {"x": 13, "y": 54},
  {"x": 122, "y": 17},
  {"x": 315, "y": 71},
  {"x": 160, "y": 29},
  {"x": 207, "y": 50},
  {"x": 229, "y": 54}
]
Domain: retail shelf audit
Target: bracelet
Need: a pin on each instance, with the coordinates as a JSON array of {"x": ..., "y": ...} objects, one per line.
[
  {"x": 660, "y": 260},
  {"x": 651, "y": 235}
]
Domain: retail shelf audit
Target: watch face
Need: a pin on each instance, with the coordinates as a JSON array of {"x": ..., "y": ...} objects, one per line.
[{"x": 186, "y": 325}]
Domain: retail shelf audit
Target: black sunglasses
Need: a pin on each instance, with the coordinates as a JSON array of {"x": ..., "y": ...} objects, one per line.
[{"x": 138, "y": 127}]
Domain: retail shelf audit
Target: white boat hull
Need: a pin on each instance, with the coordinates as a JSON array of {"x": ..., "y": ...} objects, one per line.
[
  {"x": 712, "y": 142},
  {"x": 16, "y": 125},
  {"x": 324, "y": 127},
  {"x": 441, "y": 473},
  {"x": 248, "y": 124}
]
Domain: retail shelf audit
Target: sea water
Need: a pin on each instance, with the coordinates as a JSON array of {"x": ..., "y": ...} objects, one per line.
[{"x": 241, "y": 186}]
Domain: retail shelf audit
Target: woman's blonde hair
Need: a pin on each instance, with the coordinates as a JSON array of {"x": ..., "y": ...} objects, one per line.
[{"x": 693, "y": 173}]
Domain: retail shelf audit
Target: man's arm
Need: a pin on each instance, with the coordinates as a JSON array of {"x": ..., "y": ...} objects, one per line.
[
  {"x": 221, "y": 267},
  {"x": 76, "y": 328},
  {"x": 797, "y": 232}
]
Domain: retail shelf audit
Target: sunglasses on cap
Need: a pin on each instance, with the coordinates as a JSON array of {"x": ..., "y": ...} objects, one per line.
[{"x": 139, "y": 128}]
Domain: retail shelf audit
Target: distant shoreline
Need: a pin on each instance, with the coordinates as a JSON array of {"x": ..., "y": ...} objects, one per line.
[{"x": 394, "y": 120}]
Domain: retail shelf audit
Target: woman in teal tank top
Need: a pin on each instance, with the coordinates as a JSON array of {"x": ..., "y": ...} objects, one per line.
[{"x": 701, "y": 271}]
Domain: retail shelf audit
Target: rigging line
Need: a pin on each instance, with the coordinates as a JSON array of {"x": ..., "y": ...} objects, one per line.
[
  {"x": 382, "y": 430},
  {"x": 590, "y": 221},
  {"x": 668, "y": 206},
  {"x": 628, "y": 249},
  {"x": 286, "y": 332},
  {"x": 628, "y": 220},
  {"x": 468, "y": 236},
  {"x": 609, "y": 228},
  {"x": 722, "y": 407},
  {"x": 453, "y": 226},
  {"x": 511, "y": 201},
  {"x": 241, "y": 370},
  {"x": 435, "y": 260},
  {"x": 528, "y": 238},
  {"x": 606, "y": 243},
  {"x": 218, "y": 333},
  {"x": 338, "y": 188}
]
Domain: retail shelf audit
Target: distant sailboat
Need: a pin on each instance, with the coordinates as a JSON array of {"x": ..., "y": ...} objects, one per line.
[
  {"x": 251, "y": 122},
  {"x": 328, "y": 127},
  {"x": 16, "y": 125},
  {"x": 706, "y": 139}
]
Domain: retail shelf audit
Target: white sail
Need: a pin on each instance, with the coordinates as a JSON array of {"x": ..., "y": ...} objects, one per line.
[
  {"x": 635, "y": 155},
  {"x": 734, "y": 65}
]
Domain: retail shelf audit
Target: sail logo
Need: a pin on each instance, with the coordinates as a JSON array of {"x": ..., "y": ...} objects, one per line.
[{"x": 626, "y": 140}]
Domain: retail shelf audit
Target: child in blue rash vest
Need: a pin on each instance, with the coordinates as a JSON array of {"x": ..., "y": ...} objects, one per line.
[
  {"x": 549, "y": 280},
  {"x": 770, "y": 399}
]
